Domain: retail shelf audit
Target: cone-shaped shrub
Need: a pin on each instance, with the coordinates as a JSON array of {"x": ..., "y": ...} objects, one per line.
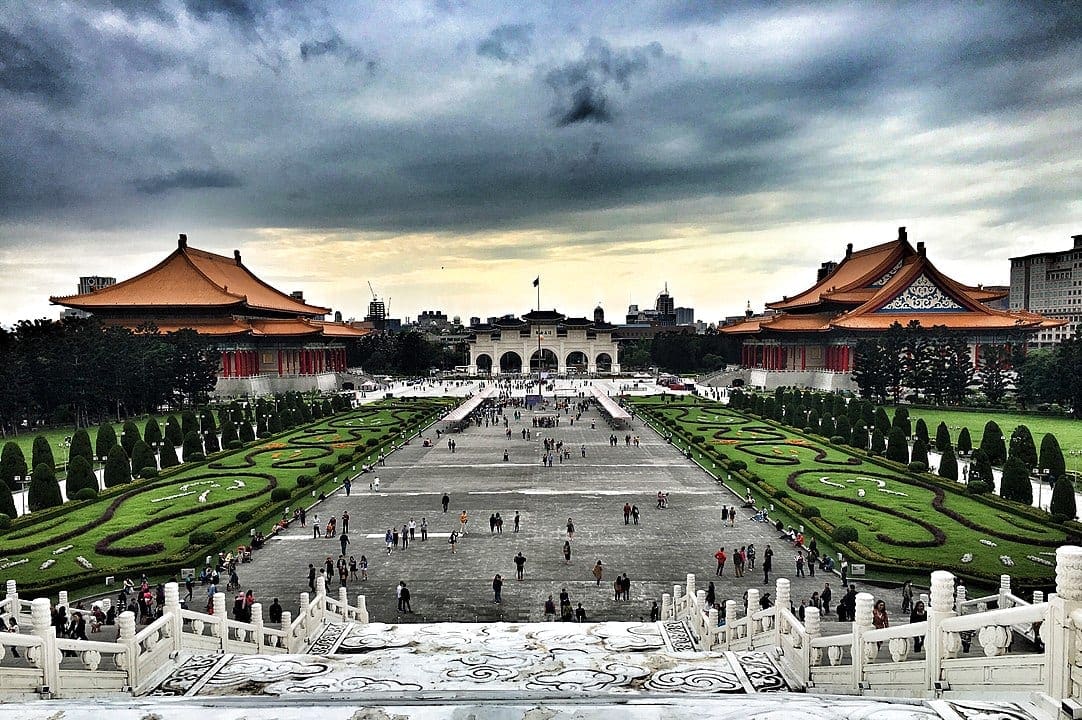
[
  {"x": 12, "y": 465},
  {"x": 173, "y": 434},
  {"x": 897, "y": 447},
  {"x": 948, "y": 466},
  {"x": 1014, "y": 485},
  {"x": 44, "y": 490},
  {"x": 992, "y": 443},
  {"x": 117, "y": 467},
  {"x": 152, "y": 432},
  {"x": 942, "y": 437},
  {"x": 81, "y": 447},
  {"x": 80, "y": 475},
  {"x": 142, "y": 456},
  {"x": 1063, "y": 502},
  {"x": 42, "y": 453},
  {"x": 1051, "y": 457}
]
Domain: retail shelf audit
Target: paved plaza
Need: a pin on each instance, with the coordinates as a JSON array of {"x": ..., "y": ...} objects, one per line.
[{"x": 592, "y": 490}]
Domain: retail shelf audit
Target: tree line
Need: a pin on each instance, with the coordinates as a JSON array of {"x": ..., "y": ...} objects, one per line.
[
  {"x": 935, "y": 365},
  {"x": 407, "y": 353}
]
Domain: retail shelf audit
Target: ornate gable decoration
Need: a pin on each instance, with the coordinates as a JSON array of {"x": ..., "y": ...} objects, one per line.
[
  {"x": 887, "y": 276},
  {"x": 922, "y": 296}
]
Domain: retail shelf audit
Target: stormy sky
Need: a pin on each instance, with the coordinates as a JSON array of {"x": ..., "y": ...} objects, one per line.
[{"x": 450, "y": 151}]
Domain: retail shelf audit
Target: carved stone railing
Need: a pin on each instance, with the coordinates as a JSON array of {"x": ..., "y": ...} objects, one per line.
[
  {"x": 48, "y": 666},
  {"x": 965, "y": 644}
]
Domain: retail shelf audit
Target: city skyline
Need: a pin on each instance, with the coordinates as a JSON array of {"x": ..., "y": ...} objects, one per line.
[{"x": 450, "y": 152}]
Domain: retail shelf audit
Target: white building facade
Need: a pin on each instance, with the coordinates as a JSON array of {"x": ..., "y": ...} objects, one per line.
[
  {"x": 543, "y": 340},
  {"x": 1050, "y": 284}
]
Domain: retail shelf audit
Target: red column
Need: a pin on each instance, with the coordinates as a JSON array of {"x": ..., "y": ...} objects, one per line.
[
  {"x": 848, "y": 359},
  {"x": 304, "y": 362},
  {"x": 803, "y": 357},
  {"x": 830, "y": 357},
  {"x": 238, "y": 363},
  {"x": 279, "y": 363}
]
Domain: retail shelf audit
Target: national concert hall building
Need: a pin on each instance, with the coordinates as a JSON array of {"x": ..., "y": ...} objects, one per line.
[{"x": 269, "y": 341}]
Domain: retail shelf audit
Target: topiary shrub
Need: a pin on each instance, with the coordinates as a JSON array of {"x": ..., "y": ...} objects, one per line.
[
  {"x": 965, "y": 443},
  {"x": 738, "y": 465},
  {"x": 195, "y": 457},
  {"x": 917, "y": 467},
  {"x": 202, "y": 538},
  {"x": 371, "y": 442},
  {"x": 148, "y": 472},
  {"x": 1062, "y": 506},
  {"x": 837, "y": 440},
  {"x": 244, "y": 516},
  {"x": 844, "y": 534},
  {"x": 781, "y": 494},
  {"x": 344, "y": 457},
  {"x": 234, "y": 445},
  {"x": 810, "y": 512},
  {"x": 304, "y": 480},
  {"x": 698, "y": 439},
  {"x": 897, "y": 447},
  {"x": 978, "y": 487},
  {"x": 326, "y": 468},
  {"x": 86, "y": 494},
  {"x": 279, "y": 494}
]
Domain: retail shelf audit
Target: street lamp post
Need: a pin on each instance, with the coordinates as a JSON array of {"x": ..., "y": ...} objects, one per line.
[{"x": 24, "y": 485}]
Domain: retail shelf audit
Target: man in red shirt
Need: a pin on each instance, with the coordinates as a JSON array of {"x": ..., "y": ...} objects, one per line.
[{"x": 721, "y": 557}]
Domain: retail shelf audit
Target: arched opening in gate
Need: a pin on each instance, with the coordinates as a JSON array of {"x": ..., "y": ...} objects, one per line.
[
  {"x": 510, "y": 363},
  {"x": 484, "y": 364},
  {"x": 544, "y": 360},
  {"x": 577, "y": 361},
  {"x": 604, "y": 362},
  {"x": 348, "y": 386}
]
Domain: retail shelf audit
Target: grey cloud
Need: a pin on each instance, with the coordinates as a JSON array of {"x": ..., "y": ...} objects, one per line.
[
  {"x": 335, "y": 46},
  {"x": 508, "y": 43},
  {"x": 187, "y": 179},
  {"x": 581, "y": 86},
  {"x": 36, "y": 69},
  {"x": 241, "y": 12}
]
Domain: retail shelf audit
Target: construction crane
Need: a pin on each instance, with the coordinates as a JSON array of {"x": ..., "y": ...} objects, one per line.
[{"x": 372, "y": 289}]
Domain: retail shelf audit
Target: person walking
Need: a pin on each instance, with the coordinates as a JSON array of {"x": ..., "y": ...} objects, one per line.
[
  {"x": 303, "y": 516},
  {"x": 316, "y": 530},
  {"x": 389, "y": 539},
  {"x": 453, "y": 540},
  {"x": 364, "y": 568},
  {"x": 345, "y": 521},
  {"x": 750, "y": 556},
  {"x": 799, "y": 564},
  {"x": 446, "y": 501},
  {"x": 520, "y": 565},
  {"x": 550, "y": 610},
  {"x": 627, "y": 587},
  {"x": 492, "y": 524},
  {"x": 352, "y": 568},
  {"x": 598, "y": 571},
  {"x": 311, "y": 577},
  {"x": 721, "y": 557},
  {"x": 424, "y": 529},
  {"x": 567, "y": 552},
  {"x": 570, "y": 529},
  {"x": 497, "y": 588},
  {"x": 739, "y": 558},
  {"x": 768, "y": 561},
  {"x": 463, "y": 518},
  {"x": 343, "y": 540},
  {"x": 824, "y": 598},
  {"x": 516, "y": 521},
  {"x": 907, "y": 596},
  {"x": 918, "y": 614},
  {"x": 413, "y": 529},
  {"x": 405, "y": 536},
  {"x": 617, "y": 588},
  {"x": 627, "y": 513},
  {"x": 635, "y": 514},
  {"x": 405, "y": 599}
]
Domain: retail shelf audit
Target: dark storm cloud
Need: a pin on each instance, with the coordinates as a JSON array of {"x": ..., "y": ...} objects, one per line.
[
  {"x": 507, "y": 43},
  {"x": 582, "y": 85},
  {"x": 187, "y": 179},
  {"x": 335, "y": 46},
  {"x": 241, "y": 12},
  {"x": 30, "y": 66}
]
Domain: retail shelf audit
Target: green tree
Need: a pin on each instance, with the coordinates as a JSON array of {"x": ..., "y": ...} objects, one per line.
[
  {"x": 897, "y": 447},
  {"x": 1062, "y": 506},
  {"x": 1039, "y": 378},
  {"x": 41, "y": 453},
  {"x": 207, "y": 420},
  {"x": 229, "y": 433},
  {"x": 195, "y": 368},
  {"x": 942, "y": 437},
  {"x": 81, "y": 447},
  {"x": 948, "y": 465},
  {"x": 826, "y": 426},
  {"x": 192, "y": 445},
  {"x": 247, "y": 433},
  {"x": 993, "y": 444},
  {"x": 142, "y": 457},
  {"x": 920, "y": 452},
  {"x": 188, "y": 423},
  {"x": 210, "y": 442},
  {"x": 882, "y": 421},
  {"x": 105, "y": 441},
  {"x": 901, "y": 421},
  {"x": 12, "y": 465},
  {"x": 843, "y": 428},
  {"x": 173, "y": 434},
  {"x": 7, "y": 504},
  {"x": 1051, "y": 458},
  {"x": 129, "y": 435},
  {"x": 117, "y": 468},
  {"x": 80, "y": 476},
  {"x": 1014, "y": 484},
  {"x": 922, "y": 431},
  {"x": 859, "y": 437},
  {"x": 152, "y": 432},
  {"x": 44, "y": 490},
  {"x": 1023, "y": 448},
  {"x": 994, "y": 363},
  {"x": 879, "y": 444},
  {"x": 965, "y": 443},
  {"x": 169, "y": 456},
  {"x": 980, "y": 470}
]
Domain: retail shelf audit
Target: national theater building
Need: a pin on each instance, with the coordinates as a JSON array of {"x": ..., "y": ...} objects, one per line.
[
  {"x": 269, "y": 341},
  {"x": 545, "y": 340},
  {"x": 809, "y": 338}
]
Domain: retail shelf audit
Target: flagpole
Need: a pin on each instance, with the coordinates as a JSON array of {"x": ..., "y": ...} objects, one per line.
[{"x": 537, "y": 284}]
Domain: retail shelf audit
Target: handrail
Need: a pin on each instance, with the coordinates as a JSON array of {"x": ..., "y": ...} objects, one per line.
[
  {"x": 154, "y": 627},
  {"x": 96, "y": 645},
  {"x": 832, "y": 640},
  {"x": 904, "y": 630},
  {"x": 1026, "y": 614}
]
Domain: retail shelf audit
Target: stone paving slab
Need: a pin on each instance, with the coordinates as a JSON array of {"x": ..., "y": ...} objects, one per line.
[{"x": 655, "y": 554}]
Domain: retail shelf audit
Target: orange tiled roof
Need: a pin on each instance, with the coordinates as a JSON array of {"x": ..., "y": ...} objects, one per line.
[
  {"x": 854, "y": 273},
  {"x": 210, "y": 326},
  {"x": 745, "y": 327},
  {"x": 340, "y": 330},
  {"x": 192, "y": 278},
  {"x": 260, "y": 327}
]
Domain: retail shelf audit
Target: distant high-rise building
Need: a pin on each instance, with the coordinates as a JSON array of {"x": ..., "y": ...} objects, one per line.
[
  {"x": 665, "y": 305},
  {"x": 90, "y": 283},
  {"x": 599, "y": 314},
  {"x": 474, "y": 321},
  {"x": 1050, "y": 284},
  {"x": 377, "y": 314},
  {"x": 685, "y": 316}
]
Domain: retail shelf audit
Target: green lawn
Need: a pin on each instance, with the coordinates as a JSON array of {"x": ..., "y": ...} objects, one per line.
[
  {"x": 1067, "y": 431},
  {"x": 146, "y": 524},
  {"x": 56, "y": 436},
  {"x": 911, "y": 522}
]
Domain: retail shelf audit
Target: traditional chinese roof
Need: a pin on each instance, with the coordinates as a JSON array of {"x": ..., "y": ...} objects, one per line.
[
  {"x": 545, "y": 316},
  {"x": 262, "y": 327},
  {"x": 872, "y": 289},
  {"x": 191, "y": 278}
]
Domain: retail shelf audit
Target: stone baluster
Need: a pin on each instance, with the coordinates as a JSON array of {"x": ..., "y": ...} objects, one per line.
[
  {"x": 1004, "y": 591},
  {"x": 753, "y": 607},
  {"x": 698, "y": 620},
  {"x": 220, "y": 630},
  {"x": 960, "y": 597},
  {"x": 1058, "y": 633},
  {"x": 62, "y": 599},
  {"x": 712, "y": 631},
  {"x": 940, "y": 607},
  {"x": 666, "y": 606},
  {"x": 691, "y": 585},
  {"x": 677, "y": 592},
  {"x": 362, "y": 609},
  {"x": 12, "y": 598},
  {"x": 813, "y": 627},
  {"x": 46, "y": 657},
  {"x": 343, "y": 599},
  {"x": 287, "y": 621},
  {"x": 126, "y": 636},
  {"x": 730, "y": 617},
  {"x": 783, "y": 601},
  {"x": 321, "y": 595},
  {"x": 175, "y": 629},
  {"x": 1038, "y": 597},
  {"x": 257, "y": 621},
  {"x": 860, "y": 652}
]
